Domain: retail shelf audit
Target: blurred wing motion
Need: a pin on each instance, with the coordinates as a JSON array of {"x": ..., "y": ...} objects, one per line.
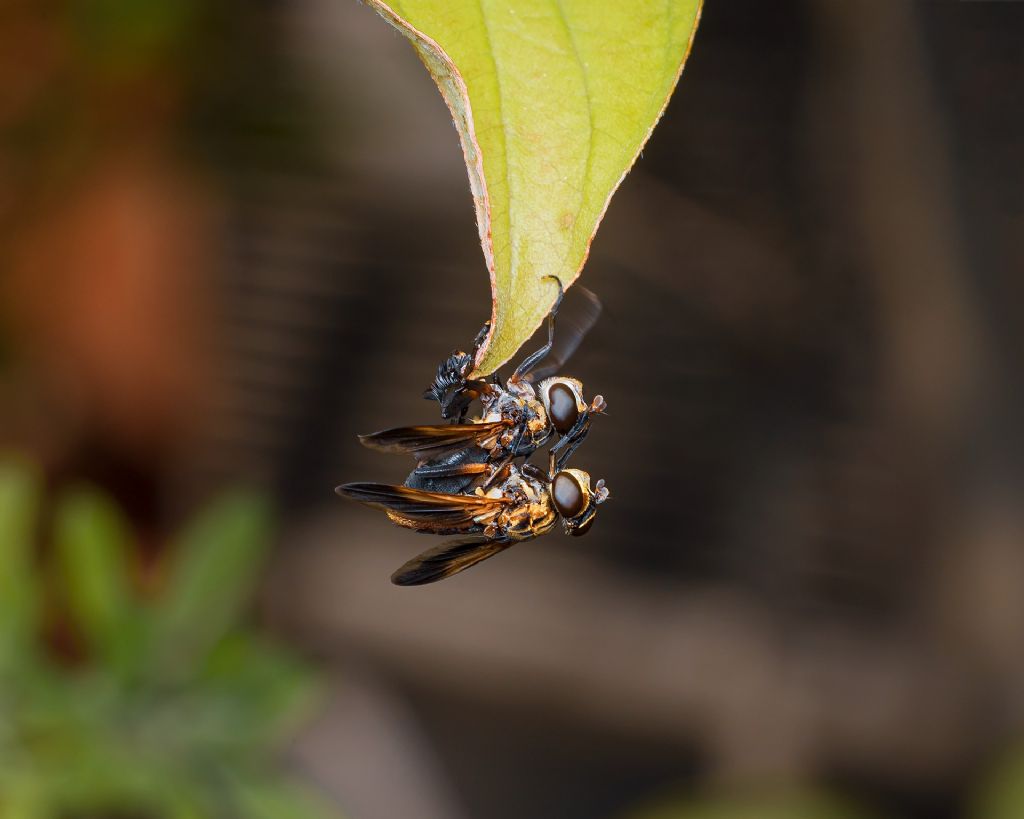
[
  {"x": 419, "y": 507},
  {"x": 579, "y": 312},
  {"x": 430, "y": 442},
  {"x": 445, "y": 560}
]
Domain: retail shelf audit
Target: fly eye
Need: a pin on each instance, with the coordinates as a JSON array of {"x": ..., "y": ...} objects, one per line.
[
  {"x": 583, "y": 528},
  {"x": 567, "y": 495},
  {"x": 563, "y": 409}
]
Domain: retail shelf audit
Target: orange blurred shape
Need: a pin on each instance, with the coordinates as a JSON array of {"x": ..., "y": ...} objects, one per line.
[
  {"x": 109, "y": 300},
  {"x": 32, "y": 48}
]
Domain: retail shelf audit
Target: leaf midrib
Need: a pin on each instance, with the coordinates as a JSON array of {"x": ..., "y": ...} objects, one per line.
[
  {"x": 590, "y": 110},
  {"x": 503, "y": 149}
]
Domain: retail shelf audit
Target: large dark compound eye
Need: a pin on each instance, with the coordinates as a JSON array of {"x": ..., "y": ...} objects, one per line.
[
  {"x": 563, "y": 409},
  {"x": 567, "y": 495}
]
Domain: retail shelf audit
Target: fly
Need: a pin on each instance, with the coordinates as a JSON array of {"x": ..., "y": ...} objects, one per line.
[{"x": 518, "y": 503}]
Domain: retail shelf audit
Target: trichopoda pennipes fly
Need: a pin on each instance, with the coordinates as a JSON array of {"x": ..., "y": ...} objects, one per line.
[
  {"x": 517, "y": 503},
  {"x": 518, "y": 417},
  {"x": 467, "y": 481}
]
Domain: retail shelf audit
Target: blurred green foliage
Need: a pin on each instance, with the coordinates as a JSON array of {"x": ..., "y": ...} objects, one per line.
[
  {"x": 168, "y": 708},
  {"x": 780, "y": 804},
  {"x": 1001, "y": 794},
  {"x": 125, "y": 35}
]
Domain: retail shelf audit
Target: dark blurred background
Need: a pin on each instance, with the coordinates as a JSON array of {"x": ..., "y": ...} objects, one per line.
[{"x": 234, "y": 235}]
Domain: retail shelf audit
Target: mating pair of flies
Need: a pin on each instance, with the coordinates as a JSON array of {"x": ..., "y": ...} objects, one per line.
[{"x": 467, "y": 481}]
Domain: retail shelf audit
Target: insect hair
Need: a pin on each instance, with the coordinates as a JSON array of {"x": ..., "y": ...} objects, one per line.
[{"x": 450, "y": 373}]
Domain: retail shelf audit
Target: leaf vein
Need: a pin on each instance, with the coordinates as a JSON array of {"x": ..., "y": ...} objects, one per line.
[
  {"x": 588, "y": 166},
  {"x": 504, "y": 136}
]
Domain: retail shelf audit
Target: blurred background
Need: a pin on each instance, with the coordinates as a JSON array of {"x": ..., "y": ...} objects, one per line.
[{"x": 234, "y": 235}]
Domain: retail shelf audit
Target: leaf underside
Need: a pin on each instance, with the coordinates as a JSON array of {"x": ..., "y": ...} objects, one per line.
[{"x": 553, "y": 100}]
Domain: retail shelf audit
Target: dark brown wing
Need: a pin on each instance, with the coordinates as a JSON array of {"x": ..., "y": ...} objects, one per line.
[
  {"x": 579, "y": 312},
  {"x": 418, "y": 506},
  {"x": 447, "y": 559},
  {"x": 429, "y": 442}
]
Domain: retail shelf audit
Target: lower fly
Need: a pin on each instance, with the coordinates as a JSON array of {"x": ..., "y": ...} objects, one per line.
[{"x": 518, "y": 503}]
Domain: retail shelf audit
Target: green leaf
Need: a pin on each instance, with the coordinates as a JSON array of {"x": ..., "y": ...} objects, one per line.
[
  {"x": 216, "y": 564},
  {"x": 274, "y": 798},
  {"x": 264, "y": 691},
  {"x": 19, "y": 508},
  {"x": 553, "y": 100},
  {"x": 1001, "y": 794},
  {"x": 22, "y": 799},
  {"x": 93, "y": 550},
  {"x": 777, "y": 804}
]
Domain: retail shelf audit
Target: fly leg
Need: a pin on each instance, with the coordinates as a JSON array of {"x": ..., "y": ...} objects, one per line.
[
  {"x": 503, "y": 466},
  {"x": 534, "y": 359},
  {"x": 571, "y": 448},
  {"x": 479, "y": 340},
  {"x": 535, "y": 472},
  {"x": 499, "y": 474},
  {"x": 471, "y": 388},
  {"x": 449, "y": 470},
  {"x": 571, "y": 441},
  {"x": 474, "y": 387}
]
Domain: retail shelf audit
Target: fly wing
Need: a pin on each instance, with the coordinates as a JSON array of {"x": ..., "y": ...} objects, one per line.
[
  {"x": 447, "y": 559},
  {"x": 580, "y": 310},
  {"x": 430, "y": 442},
  {"x": 418, "y": 506}
]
